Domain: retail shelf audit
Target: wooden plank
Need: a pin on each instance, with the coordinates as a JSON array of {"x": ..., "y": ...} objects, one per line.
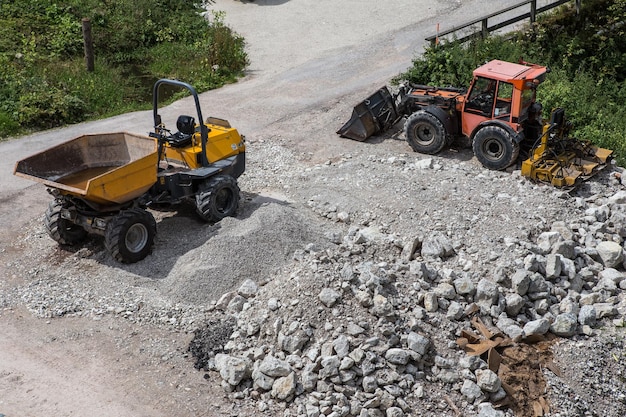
[
  {"x": 482, "y": 329},
  {"x": 474, "y": 349},
  {"x": 493, "y": 360}
]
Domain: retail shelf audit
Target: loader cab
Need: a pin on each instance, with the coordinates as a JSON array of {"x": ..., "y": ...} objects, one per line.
[{"x": 503, "y": 92}]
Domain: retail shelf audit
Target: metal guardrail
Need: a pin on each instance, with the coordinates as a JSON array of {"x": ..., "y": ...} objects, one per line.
[{"x": 484, "y": 21}]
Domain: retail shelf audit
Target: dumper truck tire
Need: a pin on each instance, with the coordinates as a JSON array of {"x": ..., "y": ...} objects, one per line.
[
  {"x": 63, "y": 231},
  {"x": 217, "y": 198},
  {"x": 494, "y": 147},
  {"x": 129, "y": 235},
  {"x": 425, "y": 133}
]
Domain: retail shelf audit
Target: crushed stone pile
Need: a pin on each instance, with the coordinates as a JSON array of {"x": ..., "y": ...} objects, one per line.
[
  {"x": 342, "y": 294},
  {"x": 371, "y": 328}
]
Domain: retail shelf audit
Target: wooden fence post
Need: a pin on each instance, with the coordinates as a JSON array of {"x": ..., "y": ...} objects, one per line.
[{"x": 88, "y": 43}]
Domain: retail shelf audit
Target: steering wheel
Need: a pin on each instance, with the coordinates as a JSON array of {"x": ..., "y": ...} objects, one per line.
[{"x": 484, "y": 101}]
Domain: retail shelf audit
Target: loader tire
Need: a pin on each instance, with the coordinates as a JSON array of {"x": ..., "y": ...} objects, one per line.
[
  {"x": 495, "y": 148},
  {"x": 425, "y": 133},
  {"x": 129, "y": 235},
  {"x": 217, "y": 198},
  {"x": 63, "y": 231}
]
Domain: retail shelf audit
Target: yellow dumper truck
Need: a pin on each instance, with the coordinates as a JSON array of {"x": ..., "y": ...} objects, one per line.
[{"x": 103, "y": 183}]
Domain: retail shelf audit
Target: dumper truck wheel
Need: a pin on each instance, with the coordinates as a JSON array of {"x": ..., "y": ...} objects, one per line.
[
  {"x": 425, "y": 133},
  {"x": 217, "y": 198},
  {"x": 63, "y": 231},
  {"x": 495, "y": 148},
  {"x": 130, "y": 234}
]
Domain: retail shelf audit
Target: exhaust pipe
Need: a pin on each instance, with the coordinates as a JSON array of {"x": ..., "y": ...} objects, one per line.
[{"x": 373, "y": 115}]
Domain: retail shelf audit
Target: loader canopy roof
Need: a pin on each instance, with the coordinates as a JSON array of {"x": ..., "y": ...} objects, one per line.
[{"x": 517, "y": 74}]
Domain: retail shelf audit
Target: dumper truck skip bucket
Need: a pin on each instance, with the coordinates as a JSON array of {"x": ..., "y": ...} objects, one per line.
[
  {"x": 107, "y": 169},
  {"x": 373, "y": 115}
]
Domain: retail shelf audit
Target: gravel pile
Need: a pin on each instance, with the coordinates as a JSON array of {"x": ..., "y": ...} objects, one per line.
[
  {"x": 342, "y": 286},
  {"x": 371, "y": 330}
]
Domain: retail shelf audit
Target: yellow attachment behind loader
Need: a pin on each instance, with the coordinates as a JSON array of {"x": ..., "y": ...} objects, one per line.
[{"x": 563, "y": 161}]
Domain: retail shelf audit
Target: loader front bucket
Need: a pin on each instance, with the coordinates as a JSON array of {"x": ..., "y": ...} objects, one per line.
[{"x": 373, "y": 115}]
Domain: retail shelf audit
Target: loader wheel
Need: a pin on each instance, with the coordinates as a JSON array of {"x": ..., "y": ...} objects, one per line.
[
  {"x": 425, "y": 133},
  {"x": 217, "y": 198},
  {"x": 130, "y": 234},
  {"x": 63, "y": 231},
  {"x": 495, "y": 148}
]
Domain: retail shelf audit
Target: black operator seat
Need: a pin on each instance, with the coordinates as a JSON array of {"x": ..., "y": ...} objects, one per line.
[{"x": 186, "y": 126}]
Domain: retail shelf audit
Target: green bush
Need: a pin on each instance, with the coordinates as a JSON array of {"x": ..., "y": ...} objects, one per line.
[
  {"x": 592, "y": 41},
  {"x": 44, "y": 82},
  {"x": 45, "y": 106},
  {"x": 452, "y": 63},
  {"x": 8, "y": 126},
  {"x": 208, "y": 63}
]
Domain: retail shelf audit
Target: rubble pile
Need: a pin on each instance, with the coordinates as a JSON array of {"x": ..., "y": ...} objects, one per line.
[
  {"x": 374, "y": 324},
  {"x": 359, "y": 289}
]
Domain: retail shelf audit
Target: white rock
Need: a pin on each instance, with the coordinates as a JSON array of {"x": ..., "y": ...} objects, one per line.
[
  {"x": 587, "y": 315},
  {"x": 536, "y": 327},
  {"x": 553, "y": 266},
  {"x": 431, "y": 304},
  {"x": 564, "y": 325},
  {"x": 471, "y": 391},
  {"x": 397, "y": 356},
  {"x": 610, "y": 253},
  {"x": 455, "y": 311},
  {"x": 487, "y": 410},
  {"x": 547, "y": 240},
  {"x": 381, "y": 307},
  {"x": 285, "y": 387},
  {"x": 437, "y": 246},
  {"x": 248, "y": 289},
  {"x": 464, "y": 286},
  {"x": 394, "y": 412},
  {"x": 418, "y": 343},
  {"x": 618, "y": 198},
  {"x": 329, "y": 297},
  {"x": 514, "y": 304},
  {"x": 426, "y": 163},
  {"x": 487, "y": 293},
  {"x": 232, "y": 369},
  {"x": 341, "y": 346},
  {"x": 520, "y": 281},
  {"x": 605, "y": 310},
  {"x": 445, "y": 290},
  {"x": 487, "y": 380},
  {"x": 274, "y": 367},
  {"x": 509, "y": 327}
]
